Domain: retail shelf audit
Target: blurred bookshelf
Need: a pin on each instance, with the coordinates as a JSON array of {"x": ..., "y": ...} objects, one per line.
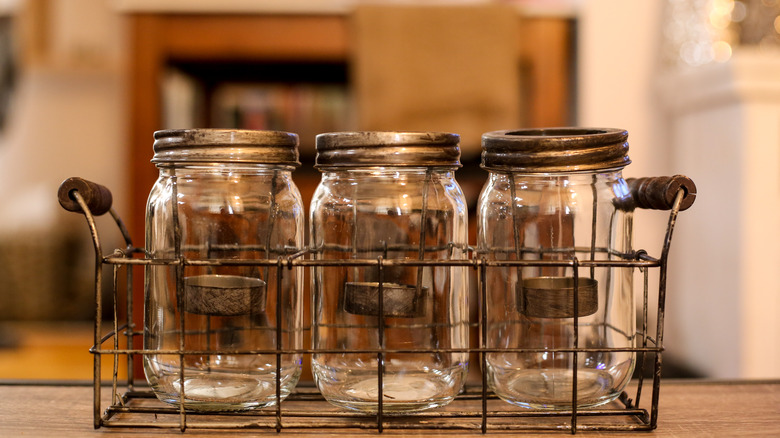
[
  {"x": 304, "y": 98},
  {"x": 306, "y": 109},
  {"x": 291, "y": 71}
]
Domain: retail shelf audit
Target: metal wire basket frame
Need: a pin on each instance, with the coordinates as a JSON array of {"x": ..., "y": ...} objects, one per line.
[{"x": 132, "y": 404}]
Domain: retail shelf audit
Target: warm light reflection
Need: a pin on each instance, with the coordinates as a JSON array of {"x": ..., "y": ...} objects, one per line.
[
  {"x": 721, "y": 51},
  {"x": 720, "y": 21},
  {"x": 722, "y": 7},
  {"x": 739, "y": 12},
  {"x": 722, "y": 14}
]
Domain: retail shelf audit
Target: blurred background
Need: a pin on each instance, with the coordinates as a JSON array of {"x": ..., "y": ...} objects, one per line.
[{"x": 85, "y": 83}]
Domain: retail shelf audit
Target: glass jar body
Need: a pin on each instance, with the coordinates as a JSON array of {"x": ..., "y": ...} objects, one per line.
[
  {"x": 214, "y": 212},
  {"x": 396, "y": 215},
  {"x": 557, "y": 218}
]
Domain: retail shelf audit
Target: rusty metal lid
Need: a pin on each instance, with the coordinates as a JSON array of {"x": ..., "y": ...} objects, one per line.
[
  {"x": 225, "y": 146},
  {"x": 555, "y": 150},
  {"x": 387, "y": 148}
]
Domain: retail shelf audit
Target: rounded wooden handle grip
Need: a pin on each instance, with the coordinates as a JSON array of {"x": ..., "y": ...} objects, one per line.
[
  {"x": 658, "y": 193},
  {"x": 97, "y": 197}
]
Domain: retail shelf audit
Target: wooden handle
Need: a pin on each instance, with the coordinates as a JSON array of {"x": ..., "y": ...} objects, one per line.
[
  {"x": 97, "y": 197},
  {"x": 658, "y": 193}
]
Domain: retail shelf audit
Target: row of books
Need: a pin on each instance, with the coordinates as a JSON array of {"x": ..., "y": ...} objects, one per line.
[
  {"x": 304, "y": 108},
  {"x": 307, "y": 109}
]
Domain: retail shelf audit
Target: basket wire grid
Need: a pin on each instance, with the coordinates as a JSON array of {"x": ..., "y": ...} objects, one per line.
[{"x": 476, "y": 408}]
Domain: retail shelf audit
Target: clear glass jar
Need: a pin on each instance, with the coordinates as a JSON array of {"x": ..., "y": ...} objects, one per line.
[
  {"x": 389, "y": 196},
  {"x": 223, "y": 195},
  {"x": 556, "y": 197}
]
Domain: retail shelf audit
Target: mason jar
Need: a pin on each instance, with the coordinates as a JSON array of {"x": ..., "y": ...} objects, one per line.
[
  {"x": 222, "y": 214},
  {"x": 552, "y": 215},
  {"x": 390, "y": 314}
]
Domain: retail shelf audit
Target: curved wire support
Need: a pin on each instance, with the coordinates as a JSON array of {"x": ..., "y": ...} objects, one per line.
[{"x": 662, "y": 305}]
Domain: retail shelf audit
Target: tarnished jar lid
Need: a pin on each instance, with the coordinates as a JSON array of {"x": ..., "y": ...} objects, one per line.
[
  {"x": 387, "y": 148},
  {"x": 225, "y": 146},
  {"x": 555, "y": 150}
]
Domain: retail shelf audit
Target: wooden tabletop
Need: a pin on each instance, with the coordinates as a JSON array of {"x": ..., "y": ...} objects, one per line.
[{"x": 687, "y": 408}]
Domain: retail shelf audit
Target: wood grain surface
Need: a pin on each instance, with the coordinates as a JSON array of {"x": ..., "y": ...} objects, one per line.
[{"x": 687, "y": 409}]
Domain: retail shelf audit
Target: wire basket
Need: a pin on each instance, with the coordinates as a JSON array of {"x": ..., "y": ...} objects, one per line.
[{"x": 127, "y": 401}]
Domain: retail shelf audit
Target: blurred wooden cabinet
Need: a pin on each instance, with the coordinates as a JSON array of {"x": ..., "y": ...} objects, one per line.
[
  {"x": 263, "y": 47},
  {"x": 233, "y": 45}
]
